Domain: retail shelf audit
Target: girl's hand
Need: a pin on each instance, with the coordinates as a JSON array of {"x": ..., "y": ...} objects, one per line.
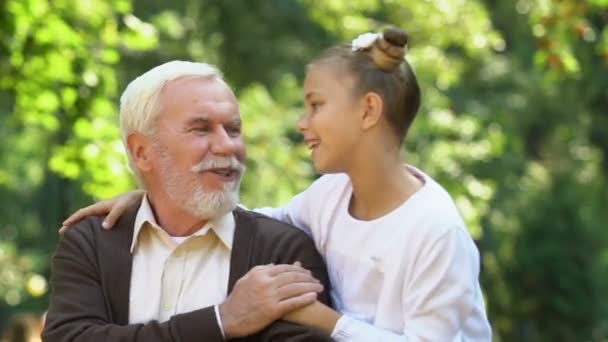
[
  {"x": 114, "y": 207},
  {"x": 316, "y": 315}
]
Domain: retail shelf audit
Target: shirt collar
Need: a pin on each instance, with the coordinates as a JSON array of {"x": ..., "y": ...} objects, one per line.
[{"x": 222, "y": 226}]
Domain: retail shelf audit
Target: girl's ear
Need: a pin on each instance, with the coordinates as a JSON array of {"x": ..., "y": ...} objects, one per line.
[
  {"x": 373, "y": 105},
  {"x": 140, "y": 148}
]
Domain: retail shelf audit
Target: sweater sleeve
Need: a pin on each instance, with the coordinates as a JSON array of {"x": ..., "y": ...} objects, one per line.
[
  {"x": 290, "y": 247},
  {"x": 79, "y": 311}
]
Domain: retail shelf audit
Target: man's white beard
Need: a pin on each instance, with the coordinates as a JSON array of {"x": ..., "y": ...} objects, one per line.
[
  {"x": 209, "y": 205},
  {"x": 192, "y": 196}
]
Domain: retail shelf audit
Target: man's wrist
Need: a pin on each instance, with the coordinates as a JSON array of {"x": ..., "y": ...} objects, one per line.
[{"x": 227, "y": 322}]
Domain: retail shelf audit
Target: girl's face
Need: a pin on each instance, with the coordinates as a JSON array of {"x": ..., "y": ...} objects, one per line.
[{"x": 330, "y": 125}]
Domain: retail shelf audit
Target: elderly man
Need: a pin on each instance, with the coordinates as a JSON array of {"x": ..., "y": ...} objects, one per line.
[{"x": 181, "y": 265}]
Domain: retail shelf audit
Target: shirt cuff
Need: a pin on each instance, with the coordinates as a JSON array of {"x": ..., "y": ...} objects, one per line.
[
  {"x": 349, "y": 329},
  {"x": 343, "y": 329},
  {"x": 216, "y": 308}
]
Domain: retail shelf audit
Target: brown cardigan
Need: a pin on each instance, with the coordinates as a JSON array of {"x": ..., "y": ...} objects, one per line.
[{"x": 92, "y": 274}]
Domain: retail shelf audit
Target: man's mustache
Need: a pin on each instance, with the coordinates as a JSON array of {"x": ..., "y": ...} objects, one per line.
[{"x": 230, "y": 163}]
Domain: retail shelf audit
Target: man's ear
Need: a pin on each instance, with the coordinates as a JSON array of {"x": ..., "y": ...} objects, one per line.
[
  {"x": 140, "y": 148},
  {"x": 373, "y": 106}
]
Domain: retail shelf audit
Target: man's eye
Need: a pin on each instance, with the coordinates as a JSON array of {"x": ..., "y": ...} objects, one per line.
[
  {"x": 200, "y": 129},
  {"x": 234, "y": 131}
]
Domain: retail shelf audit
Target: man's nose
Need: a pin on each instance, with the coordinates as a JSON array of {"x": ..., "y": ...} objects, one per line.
[{"x": 223, "y": 143}]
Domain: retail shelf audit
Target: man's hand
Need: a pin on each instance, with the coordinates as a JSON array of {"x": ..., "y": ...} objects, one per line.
[{"x": 265, "y": 294}]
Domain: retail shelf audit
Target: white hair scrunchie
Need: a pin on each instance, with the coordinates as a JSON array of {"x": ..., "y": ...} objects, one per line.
[{"x": 365, "y": 41}]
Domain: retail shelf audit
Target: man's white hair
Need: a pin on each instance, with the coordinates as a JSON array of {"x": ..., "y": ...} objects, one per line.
[{"x": 139, "y": 103}]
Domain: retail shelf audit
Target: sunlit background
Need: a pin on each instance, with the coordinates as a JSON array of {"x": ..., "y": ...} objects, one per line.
[{"x": 514, "y": 124}]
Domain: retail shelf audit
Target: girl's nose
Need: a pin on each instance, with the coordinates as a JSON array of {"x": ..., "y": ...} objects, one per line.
[{"x": 303, "y": 123}]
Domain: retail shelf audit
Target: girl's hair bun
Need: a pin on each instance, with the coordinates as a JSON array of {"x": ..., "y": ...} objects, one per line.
[
  {"x": 389, "y": 51},
  {"x": 396, "y": 36}
]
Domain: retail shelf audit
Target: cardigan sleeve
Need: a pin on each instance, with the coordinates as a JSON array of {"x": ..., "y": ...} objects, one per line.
[
  {"x": 79, "y": 311},
  {"x": 286, "y": 248}
]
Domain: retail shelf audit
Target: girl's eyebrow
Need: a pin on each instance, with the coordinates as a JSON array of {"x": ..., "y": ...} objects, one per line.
[{"x": 309, "y": 94}]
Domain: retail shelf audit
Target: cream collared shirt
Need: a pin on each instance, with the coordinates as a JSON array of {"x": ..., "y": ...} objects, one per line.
[{"x": 173, "y": 275}]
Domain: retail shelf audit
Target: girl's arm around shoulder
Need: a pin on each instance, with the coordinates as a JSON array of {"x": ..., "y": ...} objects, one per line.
[{"x": 304, "y": 210}]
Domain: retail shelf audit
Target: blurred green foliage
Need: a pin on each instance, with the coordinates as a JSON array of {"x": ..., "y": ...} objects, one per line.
[{"x": 514, "y": 124}]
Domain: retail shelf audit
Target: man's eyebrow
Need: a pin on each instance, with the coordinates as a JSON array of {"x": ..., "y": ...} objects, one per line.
[
  {"x": 236, "y": 122},
  {"x": 198, "y": 120},
  {"x": 204, "y": 120}
]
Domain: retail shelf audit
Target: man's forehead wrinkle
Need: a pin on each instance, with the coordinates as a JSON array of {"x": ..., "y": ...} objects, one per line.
[
  {"x": 225, "y": 107},
  {"x": 199, "y": 119}
]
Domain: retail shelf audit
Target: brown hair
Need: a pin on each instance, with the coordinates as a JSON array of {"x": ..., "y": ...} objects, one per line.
[{"x": 381, "y": 68}]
